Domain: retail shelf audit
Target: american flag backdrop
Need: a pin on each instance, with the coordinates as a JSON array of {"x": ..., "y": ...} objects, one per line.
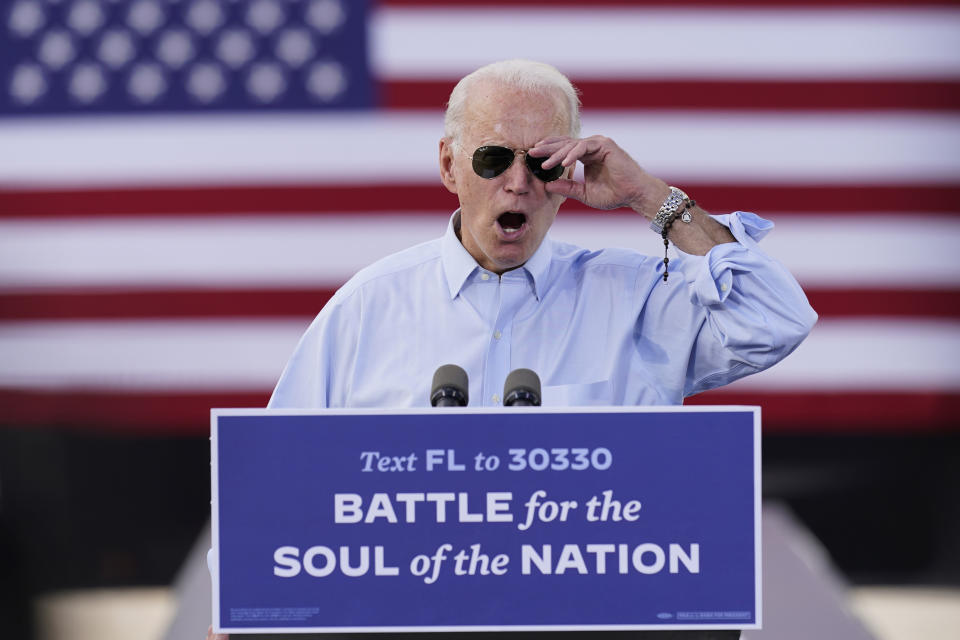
[{"x": 184, "y": 183}]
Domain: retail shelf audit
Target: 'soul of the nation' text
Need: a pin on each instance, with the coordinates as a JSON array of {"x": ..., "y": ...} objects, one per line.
[{"x": 320, "y": 561}]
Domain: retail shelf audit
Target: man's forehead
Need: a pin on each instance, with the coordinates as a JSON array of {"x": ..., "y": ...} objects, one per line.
[
  {"x": 504, "y": 112},
  {"x": 510, "y": 102}
]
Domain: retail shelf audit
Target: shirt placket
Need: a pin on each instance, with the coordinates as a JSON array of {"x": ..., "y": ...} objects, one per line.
[{"x": 512, "y": 289}]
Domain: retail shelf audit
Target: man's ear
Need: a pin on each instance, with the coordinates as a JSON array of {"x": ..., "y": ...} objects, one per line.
[{"x": 447, "y": 175}]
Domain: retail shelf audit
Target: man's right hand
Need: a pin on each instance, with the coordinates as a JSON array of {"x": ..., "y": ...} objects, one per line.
[
  {"x": 216, "y": 636},
  {"x": 611, "y": 178}
]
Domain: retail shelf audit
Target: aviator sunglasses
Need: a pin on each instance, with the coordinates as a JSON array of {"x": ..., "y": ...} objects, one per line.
[{"x": 491, "y": 161}]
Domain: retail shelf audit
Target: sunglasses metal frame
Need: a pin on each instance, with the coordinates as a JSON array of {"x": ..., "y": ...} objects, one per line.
[{"x": 528, "y": 159}]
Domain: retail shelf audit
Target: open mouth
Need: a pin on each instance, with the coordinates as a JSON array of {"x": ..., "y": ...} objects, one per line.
[{"x": 511, "y": 221}]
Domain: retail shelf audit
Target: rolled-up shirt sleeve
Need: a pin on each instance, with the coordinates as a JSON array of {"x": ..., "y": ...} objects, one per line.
[{"x": 755, "y": 312}]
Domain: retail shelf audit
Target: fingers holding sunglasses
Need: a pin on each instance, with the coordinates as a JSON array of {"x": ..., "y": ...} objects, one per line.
[
  {"x": 568, "y": 189},
  {"x": 576, "y": 150},
  {"x": 610, "y": 174},
  {"x": 548, "y": 145},
  {"x": 557, "y": 150},
  {"x": 593, "y": 193}
]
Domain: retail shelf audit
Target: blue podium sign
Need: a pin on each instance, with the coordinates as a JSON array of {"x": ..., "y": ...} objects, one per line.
[{"x": 465, "y": 520}]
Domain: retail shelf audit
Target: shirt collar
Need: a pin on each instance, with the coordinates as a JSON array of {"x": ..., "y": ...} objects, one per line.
[
  {"x": 538, "y": 266},
  {"x": 458, "y": 264}
]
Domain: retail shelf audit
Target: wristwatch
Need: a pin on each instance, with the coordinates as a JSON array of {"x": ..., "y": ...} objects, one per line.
[{"x": 675, "y": 202}]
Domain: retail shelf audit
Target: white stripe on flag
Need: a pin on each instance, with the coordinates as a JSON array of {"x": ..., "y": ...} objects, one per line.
[
  {"x": 352, "y": 149},
  {"x": 235, "y": 355},
  {"x": 693, "y": 42},
  {"x": 869, "y": 355},
  {"x": 275, "y": 251},
  {"x": 241, "y": 355}
]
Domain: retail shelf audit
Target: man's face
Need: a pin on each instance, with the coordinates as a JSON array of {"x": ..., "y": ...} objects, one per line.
[{"x": 503, "y": 219}]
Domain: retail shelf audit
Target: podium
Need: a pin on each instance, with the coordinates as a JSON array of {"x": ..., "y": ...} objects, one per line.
[{"x": 634, "y": 522}]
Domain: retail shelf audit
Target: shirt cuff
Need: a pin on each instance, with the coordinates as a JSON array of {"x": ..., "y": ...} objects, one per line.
[
  {"x": 747, "y": 228},
  {"x": 711, "y": 277}
]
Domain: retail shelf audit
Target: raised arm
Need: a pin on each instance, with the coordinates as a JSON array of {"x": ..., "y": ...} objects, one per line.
[
  {"x": 753, "y": 311},
  {"x": 613, "y": 179}
]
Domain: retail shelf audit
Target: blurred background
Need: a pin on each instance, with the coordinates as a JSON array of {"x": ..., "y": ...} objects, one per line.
[{"x": 184, "y": 183}]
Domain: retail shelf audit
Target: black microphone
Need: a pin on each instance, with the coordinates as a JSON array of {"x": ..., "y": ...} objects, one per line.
[
  {"x": 522, "y": 389},
  {"x": 449, "y": 387}
]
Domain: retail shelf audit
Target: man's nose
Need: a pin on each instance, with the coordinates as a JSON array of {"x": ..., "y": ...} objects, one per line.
[{"x": 517, "y": 177}]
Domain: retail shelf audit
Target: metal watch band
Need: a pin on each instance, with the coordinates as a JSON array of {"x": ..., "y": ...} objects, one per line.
[{"x": 676, "y": 201}]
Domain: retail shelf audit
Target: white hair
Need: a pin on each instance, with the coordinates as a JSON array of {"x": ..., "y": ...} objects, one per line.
[{"x": 526, "y": 75}]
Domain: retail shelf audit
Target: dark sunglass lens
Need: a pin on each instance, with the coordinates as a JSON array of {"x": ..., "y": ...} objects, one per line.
[
  {"x": 547, "y": 175},
  {"x": 489, "y": 162}
]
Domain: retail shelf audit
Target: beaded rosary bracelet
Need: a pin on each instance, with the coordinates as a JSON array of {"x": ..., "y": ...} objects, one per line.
[{"x": 683, "y": 215}]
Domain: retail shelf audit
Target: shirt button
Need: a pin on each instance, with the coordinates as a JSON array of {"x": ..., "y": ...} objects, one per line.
[
  {"x": 485, "y": 276},
  {"x": 496, "y": 399},
  {"x": 723, "y": 287},
  {"x": 497, "y": 335}
]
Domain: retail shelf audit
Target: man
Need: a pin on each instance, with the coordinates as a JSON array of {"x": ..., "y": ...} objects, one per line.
[
  {"x": 495, "y": 293},
  {"x": 609, "y": 327}
]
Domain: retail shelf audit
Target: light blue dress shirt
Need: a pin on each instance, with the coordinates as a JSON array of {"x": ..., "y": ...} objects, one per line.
[{"x": 599, "y": 327}]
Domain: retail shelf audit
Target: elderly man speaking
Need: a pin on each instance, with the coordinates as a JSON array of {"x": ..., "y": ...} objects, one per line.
[{"x": 495, "y": 293}]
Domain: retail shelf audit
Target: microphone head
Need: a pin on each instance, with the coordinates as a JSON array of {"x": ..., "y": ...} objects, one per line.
[
  {"x": 522, "y": 389},
  {"x": 449, "y": 387}
]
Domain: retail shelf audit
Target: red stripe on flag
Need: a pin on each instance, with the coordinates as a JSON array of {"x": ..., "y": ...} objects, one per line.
[
  {"x": 890, "y": 303},
  {"x": 845, "y": 411},
  {"x": 100, "y": 304},
  {"x": 406, "y": 198},
  {"x": 189, "y": 412},
  {"x": 780, "y": 95},
  {"x": 79, "y": 304}
]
